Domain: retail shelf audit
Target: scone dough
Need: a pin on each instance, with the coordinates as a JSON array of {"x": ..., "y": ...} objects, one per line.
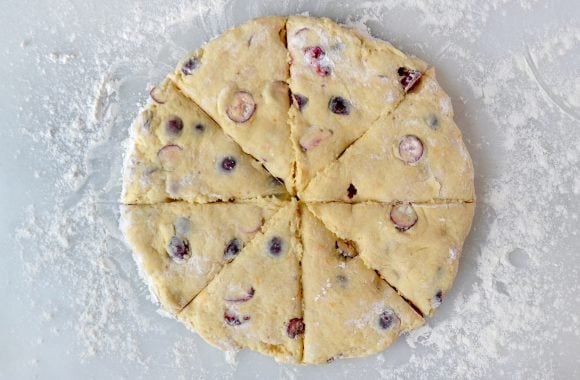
[
  {"x": 299, "y": 189},
  {"x": 256, "y": 302},
  {"x": 420, "y": 262},
  {"x": 349, "y": 310},
  {"x": 177, "y": 152},
  {"x": 203, "y": 231},
  {"x": 240, "y": 80},
  {"x": 341, "y": 83}
]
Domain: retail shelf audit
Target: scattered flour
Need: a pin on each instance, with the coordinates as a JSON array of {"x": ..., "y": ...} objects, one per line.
[{"x": 519, "y": 112}]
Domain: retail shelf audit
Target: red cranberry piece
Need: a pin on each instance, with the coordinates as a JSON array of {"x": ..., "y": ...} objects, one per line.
[
  {"x": 190, "y": 66},
  {"x": 232, "y": 319},
  {"x": 403, "y": 216},
  {"x": 437, "y": 299},
  {"x": 387, "y": 319},
  {"x": 232, "y": 249},
  {"x": 295, "y": 327},
  {"x": 228, "y": 163},
  {"x": 408, "y": 77},
  {"x": 153, "y": 96},
  {"x": 410, "y": 149},
  {"x": 248, "y": 294},
  {"x": 315, "y": 56},
  {"x": 169, "y": 156},
  {"x": 174, "y": 126},
  {"x": 178, "y": 249},
  {"x": 339, "y": 105},
  {"x": 314, "y": 53},
  {"x": 275, "y": 246},
  {"x": 351, "y": 191},
  {"x": 242, "y": 107},
  {"x": 345, "y": 249},
  {"x": 299, "y": 101}
]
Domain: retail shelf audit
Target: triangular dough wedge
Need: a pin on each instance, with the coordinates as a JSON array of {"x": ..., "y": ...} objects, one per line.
[
  {"x": 240, "y": 80},
  {"x": 349, "y": 311},
  {"x": 341, "y": 83},
  {"x": 180, "y": 247},
  {"x": 415, "y": 248},
  {"x": 256, "y": 302},
  {"x": 416, "y": 154},
  {"x": 178, "y": 152}
]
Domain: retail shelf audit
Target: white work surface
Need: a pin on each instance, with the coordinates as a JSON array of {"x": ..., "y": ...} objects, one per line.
[{"x": 74, "y": 74}]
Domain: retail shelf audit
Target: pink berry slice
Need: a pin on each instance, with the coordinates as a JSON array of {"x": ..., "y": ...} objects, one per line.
[
  {"x": 403, "y": 216},
  {"x": 411, "y": 149},
  {"x": 242, "y": 107},
  {"x": 169, "y": 156},
  {"x": 241, "y": 298}
]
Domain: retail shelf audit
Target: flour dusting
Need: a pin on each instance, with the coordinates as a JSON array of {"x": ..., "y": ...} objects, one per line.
[{"x": 518, "y": 106}]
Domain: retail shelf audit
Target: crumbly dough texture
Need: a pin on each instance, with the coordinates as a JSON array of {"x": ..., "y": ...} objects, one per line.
[{"x": 299, "y": 189}]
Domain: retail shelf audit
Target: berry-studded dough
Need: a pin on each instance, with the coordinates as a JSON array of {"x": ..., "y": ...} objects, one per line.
[
  {"x": 416, "y": 248},
  {"x": 256, "y": 301},
  {"x": 341, "y": 83},
  {"x": 178, "y": 152},
  {"x": 299, "y": 189},
  {"x": 240, "y": 80},
  {"x": 180, "y": 247},
  {"x": 348, "y": 309},
  {"x": 415, "y": 154}
]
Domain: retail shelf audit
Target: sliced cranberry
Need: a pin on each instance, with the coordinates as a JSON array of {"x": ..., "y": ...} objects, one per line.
[
  {"x": 339, "y": 105},
  {"x": 301, "y": 30},
  {"x": 154, "y": 96},
  {"x": 410, "y": 149},
  {"x": 387, "y": 319},
  {"x": 345, "y": 249},
  {"x": 295, "y": 327},
  {"x": 437, "y": 299},
  {"x": 275, "y": 246},
  {"x": 228, "y": 163},
  {"x": 190, "y": 66},
  {"x": 403, "y": 216},
  {"x": 199, "y": 128},
  {"x": 178, "y": 249},
  {"x": 299, "y": 101},
  {"x": 232, "y": 319},
  {"x": 314, "y": 137},
  {"x": 232, "y": 249},
  {"x": 242, "y": 107},
  {"x": 408, "y": 77},
  {"x": 248, "y": 294},
  {"x": 169, "y": 156},
  {"x": 174, "y": 126},
  {"x": 351, "y": 191}
]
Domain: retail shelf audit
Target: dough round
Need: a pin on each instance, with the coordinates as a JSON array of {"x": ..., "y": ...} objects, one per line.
[{"x": 299, "y": 189}]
